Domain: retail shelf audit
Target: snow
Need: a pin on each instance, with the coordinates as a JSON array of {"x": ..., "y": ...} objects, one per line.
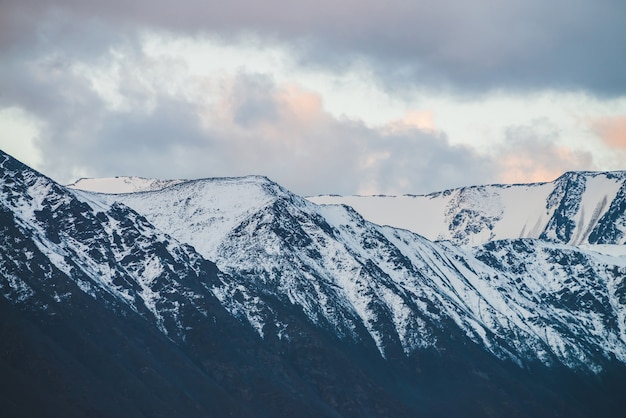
[
  {"x": 430, "y": 215},
  {"x": 18, "y": 290},
  {"x": 614, "y": 251},
  {"x": 231, "y": 221},
  {"x": 498, "y": 211},
  {"x": 201, "y": 212},
  {"x": 359, "y": 275},
  {"x": 484, "y": 301},
  {"x": 121, "y": 184},
  {"x": 596, "y": 200},
  {"x": 421, "y": 214},
  {"x": 524, "y": 213}
]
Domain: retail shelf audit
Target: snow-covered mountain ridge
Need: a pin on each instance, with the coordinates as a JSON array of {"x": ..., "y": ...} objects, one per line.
[
  {"x": 107, "y": 250},
  {"x": 104, "y": 314},
  {"x": 235, "y": 297},
  {"x": 518, "y": 299},
  {"x": 121, "y": 184},
  {"x": 201, "y": 212},
  {"x": 576, "y": 208}
]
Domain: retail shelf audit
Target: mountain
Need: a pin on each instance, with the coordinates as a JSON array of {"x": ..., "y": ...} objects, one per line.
[
  {"x": 346, "y": 273},
  {"x": 112, "y": 308},
  {"x": 103, "y": 314},
  {"x": 576, "y": 208},
  {"x": 121, "y": 184}
]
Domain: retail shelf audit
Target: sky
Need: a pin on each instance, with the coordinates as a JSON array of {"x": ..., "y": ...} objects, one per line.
[{"x": 323, "y": 97}]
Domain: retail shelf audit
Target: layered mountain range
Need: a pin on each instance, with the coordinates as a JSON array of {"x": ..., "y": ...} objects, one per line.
[{"x": 234, "y": 296}]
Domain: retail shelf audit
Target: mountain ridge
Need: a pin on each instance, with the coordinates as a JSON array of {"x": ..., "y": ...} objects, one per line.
[
  {"x": 286, "y": 243},
  {"x": 199, "y": 359},
  {"x": 239, "y": 297},
  {"x": 479, "y": 214}
]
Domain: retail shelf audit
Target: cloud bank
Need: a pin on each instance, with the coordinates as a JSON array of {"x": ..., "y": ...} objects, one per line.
[
  {"x": 96, "y": 102},
  {"x": 472, "y": 46}
]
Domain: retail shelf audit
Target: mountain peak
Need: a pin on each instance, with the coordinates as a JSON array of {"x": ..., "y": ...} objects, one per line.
[{"x": 201, "y": 212}]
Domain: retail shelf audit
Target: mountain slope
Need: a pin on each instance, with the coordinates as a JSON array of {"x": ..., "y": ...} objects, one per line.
[
  {"x": 309, "y": 310},
  {"x": 88, "y": 308},
  {"x": 576, "y": 208},
  {"x": 394, "y": 287},
  {"x": 105, "y": 315}
]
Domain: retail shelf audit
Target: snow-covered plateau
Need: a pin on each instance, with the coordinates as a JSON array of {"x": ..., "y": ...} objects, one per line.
[{"x": 576, "y": 208}]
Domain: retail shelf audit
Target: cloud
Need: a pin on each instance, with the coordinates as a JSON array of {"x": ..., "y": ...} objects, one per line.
[
  {"x": 418, "y": 161},
  {"x": 414, "y": 119},
  {"x": 531, "y": 153},
  {"x": 125, "y": 113},
  {"x": 18, "y": 136},
  {"x": 612, "y": 131},
  {"x": 467, "y": 46},
  {"x": 117, "y": 109},
  {"x": 309, "y": 150}
]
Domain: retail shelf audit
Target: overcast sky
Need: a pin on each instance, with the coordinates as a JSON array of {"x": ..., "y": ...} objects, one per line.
[{"x": 340, "y": 96}]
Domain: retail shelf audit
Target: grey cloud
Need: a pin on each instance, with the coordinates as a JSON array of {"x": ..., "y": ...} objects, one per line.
[
  {"x": 250, "y": 100},
  {"x": 252, "y": 127},
  {"x": 106, "y": 144},
  {"x": 247, "y": 125},
  {"x": 466, "y": 46},
  {"x": 422, "y": 163},
  {"x": 79, "y": 132},
  {"x": 534, "y": 152}
]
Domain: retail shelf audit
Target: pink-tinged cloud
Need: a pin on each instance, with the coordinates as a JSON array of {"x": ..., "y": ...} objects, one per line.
[
  {"x": 525, "y": 167},
  {"x": 250, "y": 124},
  {"x": 414, "y": 119},
  {"x": 533, "y": 153},
  {"x": 535, "y": 162},
  {"x": 253, "y": 125},
  {"x": 611, "y": 130},
  {"x": 302, "y": 105}
]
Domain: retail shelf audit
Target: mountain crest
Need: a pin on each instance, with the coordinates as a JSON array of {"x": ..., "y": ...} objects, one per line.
[
  {"x": 234, "y": 296},
  {"x": 570, "y": 210}
]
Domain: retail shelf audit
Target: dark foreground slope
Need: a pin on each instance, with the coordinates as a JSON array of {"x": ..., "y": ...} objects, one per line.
[{"x": 104, "y": 315}]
